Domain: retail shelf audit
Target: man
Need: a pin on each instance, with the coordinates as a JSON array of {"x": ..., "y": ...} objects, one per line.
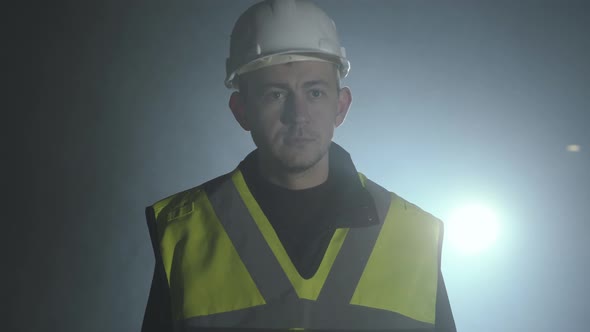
[{"x": 294, "y": 237}]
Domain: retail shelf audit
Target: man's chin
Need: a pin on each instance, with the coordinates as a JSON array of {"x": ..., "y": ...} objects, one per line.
[{"x": 299, "y": 161}]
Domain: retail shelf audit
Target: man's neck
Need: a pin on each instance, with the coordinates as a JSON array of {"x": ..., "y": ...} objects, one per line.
[{"x": 311, "y": 177}]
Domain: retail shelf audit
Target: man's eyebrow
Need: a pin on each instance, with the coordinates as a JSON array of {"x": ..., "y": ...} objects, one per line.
[
  {"x": 285, "y": 86},
  {"x": 315, "y": 82},
  {"x": 265, "y": 86}
]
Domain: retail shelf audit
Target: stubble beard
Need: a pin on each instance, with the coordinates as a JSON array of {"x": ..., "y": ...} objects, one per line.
[
  {"x": 298, "y": 157},
  {"x": 290, "y": 157},
  {"x": 298, "y": 164}
]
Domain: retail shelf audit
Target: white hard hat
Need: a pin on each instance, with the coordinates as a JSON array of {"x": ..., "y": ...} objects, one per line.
[{"x": 280, "y": 31}]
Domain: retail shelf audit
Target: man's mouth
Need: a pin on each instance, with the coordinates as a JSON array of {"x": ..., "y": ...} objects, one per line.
[{"x": 297, "y": 140}]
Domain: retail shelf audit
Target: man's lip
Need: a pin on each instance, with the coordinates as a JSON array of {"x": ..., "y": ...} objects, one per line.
[{"x": 291, "y": 140}]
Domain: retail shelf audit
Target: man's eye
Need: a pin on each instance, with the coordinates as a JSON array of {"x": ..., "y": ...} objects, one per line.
[
  {"x": 275, "y": 95},
  {"x": 316, "y": 93}
]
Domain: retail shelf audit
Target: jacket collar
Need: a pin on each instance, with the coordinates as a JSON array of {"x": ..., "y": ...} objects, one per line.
[{"x": 348, "y": 204}]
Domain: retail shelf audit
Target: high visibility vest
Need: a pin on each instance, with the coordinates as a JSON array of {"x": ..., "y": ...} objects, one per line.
[{"x": 226, "y": 267}]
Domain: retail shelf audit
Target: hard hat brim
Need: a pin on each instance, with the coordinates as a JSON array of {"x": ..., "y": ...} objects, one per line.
[{"x": 286, "y": 57}]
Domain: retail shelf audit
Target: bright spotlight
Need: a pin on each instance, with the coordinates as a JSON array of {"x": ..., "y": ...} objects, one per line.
[
  {"x": 573, "y": 148},
  {"x": 472, "y": 228}
]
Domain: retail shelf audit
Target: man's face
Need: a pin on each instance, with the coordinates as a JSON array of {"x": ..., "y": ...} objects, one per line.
[{"x": 292, "y": 110}]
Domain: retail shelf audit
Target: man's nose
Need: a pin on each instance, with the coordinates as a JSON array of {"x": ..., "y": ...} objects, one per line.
[{"x": 296, "y": 109}]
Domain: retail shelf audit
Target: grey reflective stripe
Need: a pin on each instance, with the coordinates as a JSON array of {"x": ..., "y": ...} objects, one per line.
[
  {"x": 345, "y": 275},
  {"x": 334, "y": 310},
  {"x": 381, "y": 197},
  {"x": 258, "y": 329},
  {"x": 281, "y": 316},
  {"x": 241, "y": 228},
  {"x": 284, "y": 309},
  {"x": 278, "y": 315}
]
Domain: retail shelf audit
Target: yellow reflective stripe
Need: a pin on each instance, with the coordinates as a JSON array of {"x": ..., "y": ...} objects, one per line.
[
  {"x": 363, "y": 178},
  {"x": 205, "y": 273},
  {"x": 305, "y": 289},
  {"x": 402, "y": 272}
]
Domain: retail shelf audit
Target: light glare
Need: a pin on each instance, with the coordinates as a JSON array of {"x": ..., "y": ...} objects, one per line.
[
  {"x": 472, "y": 228},
  {"x": 573, "y": 148}
]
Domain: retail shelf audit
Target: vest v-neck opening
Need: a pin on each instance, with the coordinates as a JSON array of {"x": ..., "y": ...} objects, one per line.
[{"x": 305, "y": 288}]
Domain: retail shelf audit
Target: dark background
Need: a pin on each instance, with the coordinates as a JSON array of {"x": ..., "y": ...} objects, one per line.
[{"x": 119, "y": 104}]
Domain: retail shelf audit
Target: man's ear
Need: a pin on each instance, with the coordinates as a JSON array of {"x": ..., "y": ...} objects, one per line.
[
  {"x": 237, "y": 104},
  {"x": 344, "y": 101}
]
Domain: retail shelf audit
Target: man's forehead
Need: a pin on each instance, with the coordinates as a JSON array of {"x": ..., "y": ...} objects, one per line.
[{"x": 305, "y": 71}]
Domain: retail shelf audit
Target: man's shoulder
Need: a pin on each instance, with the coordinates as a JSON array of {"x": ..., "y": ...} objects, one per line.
[
  {"x": 412, "y": 208},
  {"x": 183, "y": 202},
  {"x": 400, "y": 205}
]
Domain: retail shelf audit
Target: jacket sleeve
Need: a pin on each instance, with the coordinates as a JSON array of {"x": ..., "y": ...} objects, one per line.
[
  {"x": 444, "y": 316},
  {"x": 158, "y": 311},
  {"x": 444, "y": 321}
]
